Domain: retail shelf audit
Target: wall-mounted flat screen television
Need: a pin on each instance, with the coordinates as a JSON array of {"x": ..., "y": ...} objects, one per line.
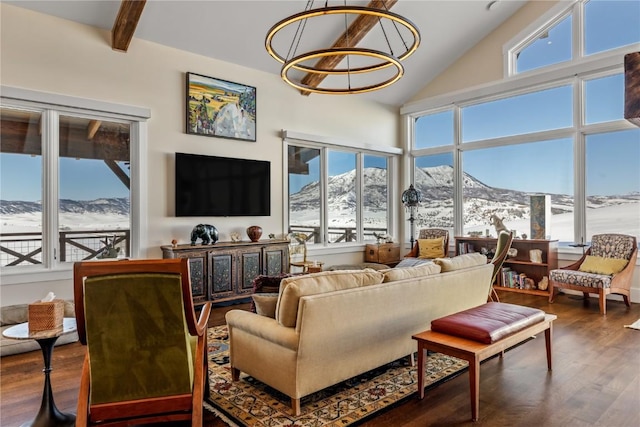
[{"x": 222, "y": 186}]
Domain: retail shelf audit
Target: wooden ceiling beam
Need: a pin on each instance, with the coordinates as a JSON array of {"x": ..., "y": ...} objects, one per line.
[
  {"x": 125, "y": 24},
  {"x": 350, "y": 38}
]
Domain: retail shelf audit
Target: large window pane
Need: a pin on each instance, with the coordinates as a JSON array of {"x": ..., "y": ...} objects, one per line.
[
  {"x": 501, "y": 180},
  {"x": 304, "y": 191},
  {"x": 94, "y": 189},
  {"x": 538, "y": 111},
  {"x": 434, "y": 130},
  {"x": 604, "y": 99},
  {"x": 20, "y": 188},
  {"x": 613, "y": 183},
  {"x": 434, "y": 179},
  {"x": 552, "y": 47},
  {"x": 610, "y": 24},
  {"x": 375, "y": 195},
  {"x": 341, "y": 195}
]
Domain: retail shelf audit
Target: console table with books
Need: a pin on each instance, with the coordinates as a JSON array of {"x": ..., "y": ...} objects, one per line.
[
  {"x": 524, "y": 265},
  {"x": 225, "y": 271}
]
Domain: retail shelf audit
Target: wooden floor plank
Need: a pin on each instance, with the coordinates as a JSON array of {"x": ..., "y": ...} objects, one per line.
[{"x": 595, "y": 378}]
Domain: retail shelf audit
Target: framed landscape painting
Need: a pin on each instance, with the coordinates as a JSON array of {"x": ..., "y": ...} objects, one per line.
[{"x": 220, "y": 108}]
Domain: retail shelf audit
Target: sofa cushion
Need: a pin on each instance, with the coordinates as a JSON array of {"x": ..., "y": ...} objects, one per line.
[
  {"x": 293, "y": 288},
  {"x": 13, "y": 314},
  {"x": 461, "y": 261},
  {"x": 431, "y": 248},
  {"x": 602, "y": 265},
  {"x": 426, "y": 269},
  {"x": 265, "y": 304}
]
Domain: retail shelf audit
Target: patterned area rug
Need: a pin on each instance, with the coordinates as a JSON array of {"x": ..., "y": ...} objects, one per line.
[{"x": 249, "y": 402}]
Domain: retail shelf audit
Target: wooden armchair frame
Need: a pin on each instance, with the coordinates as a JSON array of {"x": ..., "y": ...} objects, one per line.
[
  {"x": 503, "y": 244},
  {"x": 620, "y": 282},
  {"x": 151, "y": 410}
]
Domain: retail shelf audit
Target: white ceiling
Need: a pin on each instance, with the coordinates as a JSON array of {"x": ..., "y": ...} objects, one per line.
[{"x": 234, "y": 31}]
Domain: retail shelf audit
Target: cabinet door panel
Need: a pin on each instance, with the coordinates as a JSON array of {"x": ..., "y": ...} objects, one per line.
[
  {"x": 274, "y": 261},
  {"x": 222, "y": 273},
  {"x": 250, "y": 268},
  {"x": 198, "y": 270}
]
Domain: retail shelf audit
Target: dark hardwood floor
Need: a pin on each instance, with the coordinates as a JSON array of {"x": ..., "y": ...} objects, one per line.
[{"x": 595, "y": 379}]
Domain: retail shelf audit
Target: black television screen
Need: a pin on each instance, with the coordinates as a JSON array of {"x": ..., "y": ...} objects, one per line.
[{"x": 222, "y": 186}]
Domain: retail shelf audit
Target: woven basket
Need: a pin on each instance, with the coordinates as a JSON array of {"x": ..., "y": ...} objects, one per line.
[{"x": 44, "y": 316}]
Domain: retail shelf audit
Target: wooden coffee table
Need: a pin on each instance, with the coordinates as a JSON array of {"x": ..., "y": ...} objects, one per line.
[{"x": 475, "y": 352}]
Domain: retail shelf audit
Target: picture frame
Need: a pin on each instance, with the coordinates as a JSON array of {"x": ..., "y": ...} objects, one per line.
[{"x": 220, "y": 108}]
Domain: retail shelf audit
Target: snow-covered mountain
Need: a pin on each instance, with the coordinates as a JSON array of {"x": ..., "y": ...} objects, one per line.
[
  {"x": 113, "y": 206},
  {"x": 436, "y": 186}
]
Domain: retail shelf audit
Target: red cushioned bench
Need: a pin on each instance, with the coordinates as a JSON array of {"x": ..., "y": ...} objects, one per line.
[{"x": 479, "y": 333}]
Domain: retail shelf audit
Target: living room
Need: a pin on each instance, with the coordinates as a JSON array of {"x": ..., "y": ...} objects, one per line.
[{"x": 63, "y": 61}]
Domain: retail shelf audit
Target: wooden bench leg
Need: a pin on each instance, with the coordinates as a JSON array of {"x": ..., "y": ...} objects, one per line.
[
  {"x": 547, "y": 340},
  {"x": 474, "y": 384},
  {"x": 421, "y": 369}
]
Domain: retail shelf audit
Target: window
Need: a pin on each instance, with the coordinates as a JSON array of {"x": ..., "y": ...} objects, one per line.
[
  {"x": 433, "y": 177},
  {"x": 516, "y": 115},
  {"x": 610, "y": 24},
  {"x": 347, "y": 206},
  {"x": 551, "y": 46},
  {"x": 501, "y": 180},
  {"x": 559, "y": 133},
  {"x": 67, "y": 183}
]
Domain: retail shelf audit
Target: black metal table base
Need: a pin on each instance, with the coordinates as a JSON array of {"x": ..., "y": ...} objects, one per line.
[{"x": 49, "y": 415}]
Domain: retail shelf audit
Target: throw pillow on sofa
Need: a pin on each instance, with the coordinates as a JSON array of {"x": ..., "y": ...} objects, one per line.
[
  {"x": 426, "y": 269},
  {"x": 293, "y": 288},
  {"x": 265, "y": 304},
  {"x": 461, "y": 261}
]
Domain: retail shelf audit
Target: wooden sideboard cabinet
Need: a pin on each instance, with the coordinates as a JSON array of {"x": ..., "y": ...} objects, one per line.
[
  {"x": 225, "y": 271},
  {"x": 383, "y": 253},
  {"x": 519, "y": 266}
]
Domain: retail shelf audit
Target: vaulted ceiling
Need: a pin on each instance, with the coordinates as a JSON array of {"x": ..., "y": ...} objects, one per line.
[{"x": 234, "y": 31}]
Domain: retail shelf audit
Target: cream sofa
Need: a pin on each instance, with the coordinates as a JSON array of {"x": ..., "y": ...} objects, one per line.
[{"x": 334, "y": 325}]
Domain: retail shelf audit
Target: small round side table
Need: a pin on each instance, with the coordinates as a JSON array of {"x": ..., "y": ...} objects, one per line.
[{"x": 48, "y": 415}]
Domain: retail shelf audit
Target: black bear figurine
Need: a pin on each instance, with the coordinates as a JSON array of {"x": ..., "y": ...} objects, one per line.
[{"x": 208, "y": 234}]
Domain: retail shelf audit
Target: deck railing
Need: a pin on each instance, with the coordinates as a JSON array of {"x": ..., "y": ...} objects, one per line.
[
  {"x": 336, "y": 234},
  {"x": 79, "y": 245}
]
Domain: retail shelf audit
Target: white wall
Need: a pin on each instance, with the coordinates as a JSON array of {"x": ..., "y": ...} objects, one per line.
[{"x": 43, "y": 53}]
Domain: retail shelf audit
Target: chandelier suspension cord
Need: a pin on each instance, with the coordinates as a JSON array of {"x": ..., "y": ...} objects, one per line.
[
  {"x": 395, "y": 25},
  {"x": 346, "y": 31},
  {"x": 297, "y": 38}
]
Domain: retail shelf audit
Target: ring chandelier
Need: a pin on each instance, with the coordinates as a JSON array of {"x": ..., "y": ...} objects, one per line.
[{"x": 383, "y": 58}]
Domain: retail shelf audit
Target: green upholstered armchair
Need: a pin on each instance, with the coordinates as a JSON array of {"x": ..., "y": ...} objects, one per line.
[
  {"x": 596, "y": 271},
  {"x": 146, "y": 358}
]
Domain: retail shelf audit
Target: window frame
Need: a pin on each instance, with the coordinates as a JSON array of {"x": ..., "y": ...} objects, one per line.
[
  {"x": 52, "y": 106},
  {"x": 324, "y": 144}
]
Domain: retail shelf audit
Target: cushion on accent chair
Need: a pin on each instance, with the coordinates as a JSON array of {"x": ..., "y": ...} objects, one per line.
[
  {"x": 431, "y": 248},
  {"x": 461, "y": 261},
  {"x": 603, "y": 265}
]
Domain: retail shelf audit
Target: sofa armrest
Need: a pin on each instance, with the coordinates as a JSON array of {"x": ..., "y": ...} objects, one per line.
[{"x": 263, "y": 327}]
